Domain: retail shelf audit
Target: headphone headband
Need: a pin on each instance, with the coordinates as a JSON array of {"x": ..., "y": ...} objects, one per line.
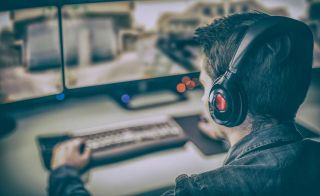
[{"x": 267, "y": 28}]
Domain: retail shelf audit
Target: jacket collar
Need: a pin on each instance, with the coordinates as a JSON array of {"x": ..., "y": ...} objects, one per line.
[{"x": 278, "y": 134}]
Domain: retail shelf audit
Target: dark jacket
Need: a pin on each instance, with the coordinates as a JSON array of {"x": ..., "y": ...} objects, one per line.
[{"x": 272, "y": 161}]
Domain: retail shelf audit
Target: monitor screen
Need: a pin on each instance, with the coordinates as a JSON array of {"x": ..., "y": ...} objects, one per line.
[
  {"x": 30, "y": 62},
  {"x": 112, "y": 42},
  {"x": 124, "y": 41}
]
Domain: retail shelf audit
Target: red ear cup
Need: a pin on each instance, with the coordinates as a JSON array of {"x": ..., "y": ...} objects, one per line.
[
  {"x": 227, "y": 101},
  {"x": 220, "y": 103}
]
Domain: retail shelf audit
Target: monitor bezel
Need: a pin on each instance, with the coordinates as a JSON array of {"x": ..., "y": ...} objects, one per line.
[{"x": 129, "y": 87}]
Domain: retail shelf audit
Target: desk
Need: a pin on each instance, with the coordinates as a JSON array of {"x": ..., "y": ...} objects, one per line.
[{"x": 22, "y": 172}]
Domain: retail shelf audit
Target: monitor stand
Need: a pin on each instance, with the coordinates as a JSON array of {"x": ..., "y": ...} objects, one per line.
[{"x": 144, "y": 100}]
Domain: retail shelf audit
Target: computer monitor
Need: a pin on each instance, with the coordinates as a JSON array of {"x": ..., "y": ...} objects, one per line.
[
  {"x": 112, "y": 42},
  {"x": 66, "y": 48},
  {"x": 30, "y": 61},
  {"x": 138, "y": 46}
]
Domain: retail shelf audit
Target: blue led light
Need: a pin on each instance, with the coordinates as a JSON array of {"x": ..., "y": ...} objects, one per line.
[
  {"x": 125, "y": 98},
  {"x": 60, "y": 96}
]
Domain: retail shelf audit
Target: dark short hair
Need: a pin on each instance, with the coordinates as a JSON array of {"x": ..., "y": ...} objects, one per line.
[{"x": 275, "y": 81}]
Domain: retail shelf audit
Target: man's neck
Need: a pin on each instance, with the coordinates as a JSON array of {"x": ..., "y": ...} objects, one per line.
[{"x": 235, "y": 136}]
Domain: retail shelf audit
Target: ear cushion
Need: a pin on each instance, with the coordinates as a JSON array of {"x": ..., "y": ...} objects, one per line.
[{"x": 235, "y": 110}]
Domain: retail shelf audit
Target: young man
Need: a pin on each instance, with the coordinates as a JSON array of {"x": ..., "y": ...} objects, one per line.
[{"x": 267, "y": 154}]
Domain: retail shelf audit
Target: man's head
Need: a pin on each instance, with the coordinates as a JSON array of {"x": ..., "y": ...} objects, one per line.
[{"x": 275, "y": 81}]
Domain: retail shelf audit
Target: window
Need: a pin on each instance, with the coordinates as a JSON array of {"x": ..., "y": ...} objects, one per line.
[
  {"x": 220, "y": 10},
  {"x": 232, "y": 9},
  {"x": 207, "y": 11},
  {"x": 245, "y": 8}
]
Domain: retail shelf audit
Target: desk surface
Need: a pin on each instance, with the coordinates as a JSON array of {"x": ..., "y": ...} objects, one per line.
[{"x": 23, "y": 174}]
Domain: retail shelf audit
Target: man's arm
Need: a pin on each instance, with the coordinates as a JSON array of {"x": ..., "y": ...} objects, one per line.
[
  {"x": 66, "y": 180},
  {"x": 66, "y": 162}
]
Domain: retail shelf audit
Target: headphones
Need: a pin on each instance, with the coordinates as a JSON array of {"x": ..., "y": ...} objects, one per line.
[{"x": 228, "y": 103}]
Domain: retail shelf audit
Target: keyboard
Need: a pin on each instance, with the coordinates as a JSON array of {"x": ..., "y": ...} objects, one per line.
[{"x": 120, "y": 141}]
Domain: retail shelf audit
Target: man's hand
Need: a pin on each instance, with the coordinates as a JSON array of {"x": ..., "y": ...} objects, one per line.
[
  {"x": 210, "y": 129},
  {"x": 68, "y": 153}
]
